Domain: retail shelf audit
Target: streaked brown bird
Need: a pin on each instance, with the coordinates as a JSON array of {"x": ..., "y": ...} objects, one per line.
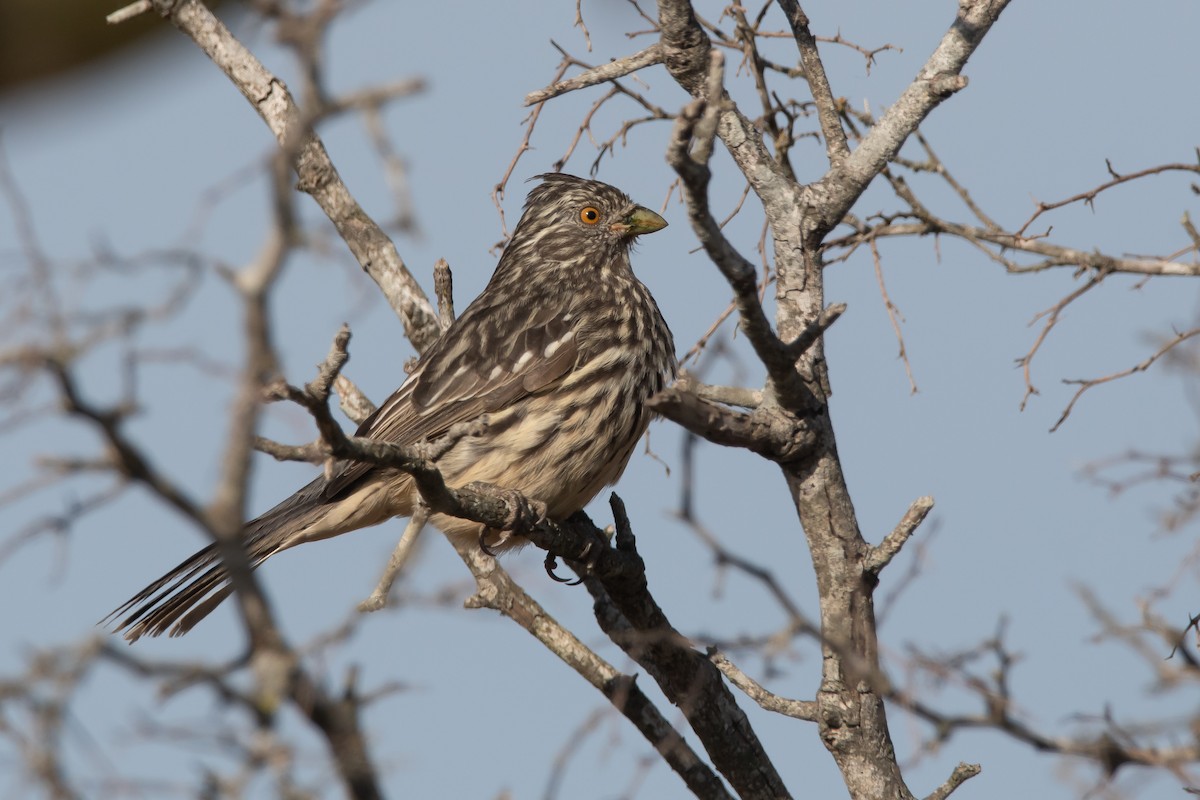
[{"x": 560, "y": 351}]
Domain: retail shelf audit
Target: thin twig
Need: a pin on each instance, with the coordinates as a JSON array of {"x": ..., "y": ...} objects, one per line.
[
  {"x": 1089, "y": 197},
  {"x": 128, "y": 12},
  {"x": 595, "y": 75},
  {"x": 1141, "y": 366},
  {"x": 894, "y": 315},
  {"x": 799, "y": 709},
  {"x": 404, "y": 550}
]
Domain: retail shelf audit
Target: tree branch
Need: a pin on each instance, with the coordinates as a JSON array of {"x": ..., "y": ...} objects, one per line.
[
  {"x": 830, "y": 198},
  {"x": 961, "y": 774},
  {"x": 617, "y": 68},
  {"x": 688, "y": 153},
  {"x": 799, "y": 709},
  {"x": 882, "y": 555},
  {"x": 776, "y": 436},
  {"x": 498, "y": 591},
  {"x": 631, "y": 618},
  {"x": 317, "y": 174},
  {"x": 818, "y": 83}
]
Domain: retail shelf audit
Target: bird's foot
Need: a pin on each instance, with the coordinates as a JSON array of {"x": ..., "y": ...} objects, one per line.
[
  {"x": 585, "y": 565},
  {"x": 523, "y": 514}
]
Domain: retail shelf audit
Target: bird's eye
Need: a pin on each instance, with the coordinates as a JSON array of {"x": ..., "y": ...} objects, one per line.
[{"x": 589, "y": 216}]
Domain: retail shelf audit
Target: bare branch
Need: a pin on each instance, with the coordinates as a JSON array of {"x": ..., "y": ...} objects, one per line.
[
  {"x": 882, "y": 555},
  {"x": 1055, "y": 255},
  {"x": 596, "y": 75},
  {"x": 1089, "y": 197},
  {"x": 1111, "y": 749},
  {"x": 317, "y": 174},
  {"x": 894, "y": 315},
  {"x": 729, "y": 395},
  {"x": 579, "y": 23},
  {"x": 694, "y": 130},
  {"x": 1051, "y": 315},
  {"x": 373, "y": 98},
  {"x": 833, "y": 196},
  {"x": 961, "y": 774},
  {"x": 353, "y": 402},
  {"x": 631, "y": 618},
  {"x": 814, "y": 331},
  {"x": 709, "y": 420},
  {"x": 777, "y": 437},
  {"x": 498, "y": 591},
  {"x": 404, "y": 550},
  {"x": 818, "y": 83},
  {"x": 686, "y": 54},
  {"x": 797, "y": 622},
  {"x": 1141, "y": 366},
  {"x": 800, "y": 709},
  {"x": 129, "y": 12},
  {"x": 127, "y": 459},
  {"x": 226, "y": 512},
  {"x": 443, "y": 285}
]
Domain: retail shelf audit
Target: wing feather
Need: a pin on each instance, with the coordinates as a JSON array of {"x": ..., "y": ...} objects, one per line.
[{"x": 468, "y": 373}]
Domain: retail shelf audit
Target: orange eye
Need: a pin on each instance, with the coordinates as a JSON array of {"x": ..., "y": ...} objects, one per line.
[{"x": 589, "y": 216}]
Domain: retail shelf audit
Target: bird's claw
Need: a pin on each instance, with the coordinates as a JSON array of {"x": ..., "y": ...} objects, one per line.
[
  {"x": 551, "y": 564},
  {"x": 483, "y": 545}
]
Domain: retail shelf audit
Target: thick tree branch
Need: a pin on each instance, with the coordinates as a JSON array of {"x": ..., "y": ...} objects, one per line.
[
  {"x": 631, "y": 618},
  {"x": 779, "y": 437},
  {"x": 818, "y": 83},
  {"x": 851, "y": 716},
  {"x": 828, "y": 200},
  {"x": 686, "y": 49},
  {"x": 715, "y": 423},
  {"x": 498, "y": 591},
  {"x": 814, "y": 331},
  {"x": 688, "y": 153},
  {"x": 317, "y": 174}
]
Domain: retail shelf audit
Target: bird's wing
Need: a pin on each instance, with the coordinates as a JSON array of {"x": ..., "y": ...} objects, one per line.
[{"x": 485, "y": 362}]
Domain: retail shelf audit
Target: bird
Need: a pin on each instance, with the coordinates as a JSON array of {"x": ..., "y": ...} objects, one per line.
[{"x": 558, "y": 355}]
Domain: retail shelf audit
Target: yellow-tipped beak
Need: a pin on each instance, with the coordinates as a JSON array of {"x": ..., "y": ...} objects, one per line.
[{"x": 642, "y": 220}]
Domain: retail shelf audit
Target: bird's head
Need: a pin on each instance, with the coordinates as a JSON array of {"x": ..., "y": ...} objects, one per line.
[{"x": 567, "y": 218}]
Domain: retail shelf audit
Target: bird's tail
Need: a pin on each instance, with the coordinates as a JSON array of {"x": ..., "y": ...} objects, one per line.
[{"x": 189, "y": 593}]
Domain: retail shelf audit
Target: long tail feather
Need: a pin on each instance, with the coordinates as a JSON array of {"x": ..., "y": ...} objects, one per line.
[{"x": 188, "y": 593}]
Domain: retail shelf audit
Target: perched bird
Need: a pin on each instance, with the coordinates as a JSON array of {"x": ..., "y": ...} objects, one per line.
[{"x": 560, "y": 351}]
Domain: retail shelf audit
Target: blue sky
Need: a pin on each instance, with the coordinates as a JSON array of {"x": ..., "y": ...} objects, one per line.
[{"x": 118, "y": 160}]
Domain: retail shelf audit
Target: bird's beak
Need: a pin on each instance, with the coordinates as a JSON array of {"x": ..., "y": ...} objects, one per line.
[{"x": 641, "y": 220}]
